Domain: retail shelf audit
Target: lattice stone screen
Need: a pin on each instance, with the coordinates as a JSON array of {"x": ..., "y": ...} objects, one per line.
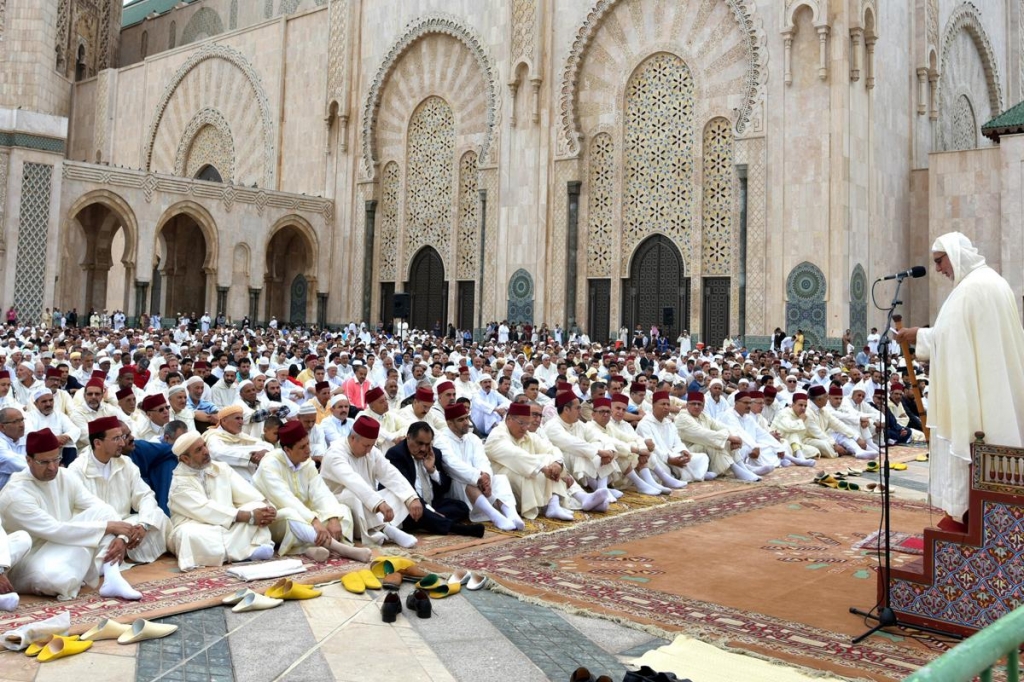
[{"x": 30, "y": 271}]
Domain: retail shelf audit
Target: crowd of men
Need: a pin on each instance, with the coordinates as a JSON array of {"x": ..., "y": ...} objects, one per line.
[{"x": 221, "y": 445}]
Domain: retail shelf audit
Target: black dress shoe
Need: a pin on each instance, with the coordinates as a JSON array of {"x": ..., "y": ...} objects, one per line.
[
  {"x": 475, "y": 530},
  {"x": 419, "y": 602},
  {"x": 581, "y": 675},
  {"x": 391, "y": 608},
  {"x": 648, "y": 674}
]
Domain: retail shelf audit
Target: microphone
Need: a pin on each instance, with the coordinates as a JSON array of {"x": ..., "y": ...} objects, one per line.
[{"x": 916, "y": 271}]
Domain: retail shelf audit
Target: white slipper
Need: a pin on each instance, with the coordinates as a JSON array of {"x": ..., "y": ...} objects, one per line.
[
  {"x": 236, "y": 597},
  {"x": 106, "y": 629},
  {"x": 477, "y": 581},
  {"x": 460, "y": 576},
  {"x": 143, "y": 630},
  {"x": 256, "y": 602}
]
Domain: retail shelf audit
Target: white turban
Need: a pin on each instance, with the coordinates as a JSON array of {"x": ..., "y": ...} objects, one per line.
[{"x": 184, "y": 442}]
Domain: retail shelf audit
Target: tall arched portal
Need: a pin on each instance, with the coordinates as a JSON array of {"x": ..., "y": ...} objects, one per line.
[
  {"x": 100, "y": 242},
  {"x": 182, "y": 253},
  {"x": 289, "y": 269},
  {"x": 656, "y": 292},
  {"x": 428, "y": 290}
]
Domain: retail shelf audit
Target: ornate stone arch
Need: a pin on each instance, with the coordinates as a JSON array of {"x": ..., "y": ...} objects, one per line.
[
  {"x": 307, "y": 232},
  {"x": 239, "y": 110},
  {"x": 806, "y": 291},
  {"x": 203, "y": 219},
  {"x": 678, "y": 24},
  {"x": 116, "y": 205},
  {"x": 226, "y": 156},
  {"x": 967, "y": 17},
  {"x": 416, "y": 30},
  {"x": 204, "y": 23},
  {"x": 795, "y": 7}
]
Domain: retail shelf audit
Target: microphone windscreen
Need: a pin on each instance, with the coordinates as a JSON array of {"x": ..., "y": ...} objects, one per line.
[{"x": 918, "y": 271}]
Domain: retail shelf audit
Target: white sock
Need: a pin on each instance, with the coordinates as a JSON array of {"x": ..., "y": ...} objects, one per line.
[
  {"x": 742, "y": 473},
  {"x": 642, "y": 486},
  {"x": 867, "y": 454},
  {"x": 593, "y": 501},
  {"x": 262, "y": 553},
  {"x": 317, "y": 554},
  {"x": 512, "y": 515},
  {"x": 785, "y": 462},
  {"x": 667, "y": 479},
  {"x": 303, "y": 532},
  {"x": 485, "y": 507},
  {"x": 9, "y": 601},
  {"x": 649, "y": 479},
  {"x": 556, "y": 511},
  {"x": 399, "y": 537},
  {"x": 616, "y": 494},
  {"x": 114, "y": 584},
  {"x": 763, "y": 470},
  {"x": 801, "y": 461},
  {"x": 710, "y": 476},
  {"x": 349, "y": 552}
]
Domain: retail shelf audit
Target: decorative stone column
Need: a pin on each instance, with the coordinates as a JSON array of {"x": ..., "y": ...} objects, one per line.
[
  {"x": 787, "y": 60},
  {"x": 254, "y": 305},
  {"x": 823, "y": 32},
  {"x": 571, "y": 253},
  {"x": 222, "y": 301},
  {"x": 141, "y": 296},
  {"x": 321, "y": 309},
  {"x": 368, "y": 239},
  {"x": 483, "y": 240}
]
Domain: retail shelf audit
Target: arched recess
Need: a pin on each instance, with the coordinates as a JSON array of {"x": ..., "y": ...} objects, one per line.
[
  {"x": 206, "y": 141},
  {"x": 428, "y": 290},
  {"x": 858, "y": 307},
  {"x": 805, "y": 303},
  {"x": 429, "y": 201},
  {"x": 969, "y": 86},
  {"x": 205, "y": 23},
  {"x": 723, "y": 41},
  {"x": 291, "y": 267},
  {"x": 99, "y": 227},
  {"x": 657, "y": 284},
  {"x": 185, "y": 255},
  {"x": 240, "y": 101},
  {"x": 422, "y": 58}
]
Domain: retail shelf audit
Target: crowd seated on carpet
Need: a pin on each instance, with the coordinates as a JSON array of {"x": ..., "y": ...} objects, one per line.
[{"x": 221, "y": 444}]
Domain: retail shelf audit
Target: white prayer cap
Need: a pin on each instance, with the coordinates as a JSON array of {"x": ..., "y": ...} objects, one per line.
[
  {"x": 194, "y": 380},
  {"x": 29, "y": 366},
  {"x": 336, "y": 399},
  {"x": 40, "y": 392},
  {"x": 263, "y": 361},
  {"x": 257, "y": 375},
  {"x": 244, "y": 384},
  {"x": 306, "y": 409},
  {"x": 860, "y": 386},
  {"x": 716, "y": 381},
  {"x": 184, "y": 442},
  {"x": 231, "y": 368},
  {"x": 357, "y": 363},
  {"x": 174, "y": 390},
  {"x": 834, "y": 371}
]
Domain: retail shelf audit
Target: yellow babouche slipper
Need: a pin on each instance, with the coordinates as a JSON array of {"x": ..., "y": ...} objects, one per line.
[
  {"x": 353, "y": 582},
  {"x": 289, "y": 590},
  {"x": 62, "y": 647},
  {"x": 35, "y": 647},
  {"x": 385, "y": 565},
  {"x": 369, "y": 579},
  {"x": 445, "y": 590}
]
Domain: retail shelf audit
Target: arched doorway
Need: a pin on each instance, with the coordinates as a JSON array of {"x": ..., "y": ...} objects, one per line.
[
  {"x": 99, "y": 239},
  {"x": 290, "y": 260},
  {"x": 182, "y": 256},
  {"x": 428, "y": 291},
  {"x": 656, "y": 292}
]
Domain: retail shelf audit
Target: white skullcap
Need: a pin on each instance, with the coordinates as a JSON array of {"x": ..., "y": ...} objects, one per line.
[
  {"x": 184, "y": 442},
  {"x": 39, "y": 393},
  {"x": 716, "y": 381},
  {"x": 860, "y": 386},
  {"x": 337, "y": 399},
  {"x": 244, "y": 384},
  {"x": 194, "y": 380},
  {"x": 306, "y": 409},
  {"x": 231, "y": 368},
  {"x": 29, "y": 366},
  {"x": 174, "y": 390}
]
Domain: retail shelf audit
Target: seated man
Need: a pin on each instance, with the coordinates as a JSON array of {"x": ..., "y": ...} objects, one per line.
[
  {"x": 13, "y": 548},
  {"x": 253, "y": 412},
  {"x": 93, "y": 407},
  {"x": 672, "y": 462},
  {"x": 803, "y": 439},
  {"x": 391, "y": 429},
  {"x": 698, "y": 430},
  {"x": 489, "y": 407},
  {"x": 627, "y": 445},
  {"x": 488, "y": 495},
  {"x": 895, "y": 434},
  {"x": 230, "y": 445},
  {"x": 317, "y": 441},
  {"x": 420, "y": 409},
  {"x": 46, "y": 416},
  {"x": 157, "y": 413},
  {"x": 216, "y": 515},
  {"x": 156, "y": 461},
  {"x": 338, "y": 425},
  {"x": 117, "y": 481},
  {"x": 361, "y": 477},
  {"x": 761, "y": 451},
  {"x": 76, "y": 536},
  {"x": 905, "y": 420},
  {"x": 424, "y": 468},
  {"x": 177, "y": 398},
  {"x": 854, "y": 409},
  {"x": 533, "y": 466},
  {"x": 621, "y": 430},
  {"x": 589, "y": 456},
  {"x": 846, "y": 440}
]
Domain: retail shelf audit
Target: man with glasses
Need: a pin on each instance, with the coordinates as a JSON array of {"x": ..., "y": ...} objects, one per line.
[
  {"x": 629, "y": 447},
  {"x": 12, "y": 443},
  {"x": 699, "y": 431},
  {"x": 157, "y": 413},
  {"x": 673, "y": 463},
  {"x": 76, "y": 536},
  {"x": 117, "y": 481}
]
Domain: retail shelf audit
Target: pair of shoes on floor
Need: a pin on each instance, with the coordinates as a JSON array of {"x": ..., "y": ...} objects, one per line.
[
  {"x": 418, "y": 602},
  {"x": 57, "y": 646},
  {"x": 392, "y": 570},
  {"x": 244, "y": 601},
  {"x": 583, "y": 675},
  {"x": 439, "y": 588},
  {"x": 359, "y": 581},
  {"x": 289, "y": 590},
  {"x": 648, "y": 674},
  {"x": 391, "y": 607},
  {"x": 139, "y": 631},
  {"x": 470, "y": 580}
]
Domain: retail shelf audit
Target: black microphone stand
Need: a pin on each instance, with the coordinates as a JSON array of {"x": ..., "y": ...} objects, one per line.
[{"x": 885, "y": 616}]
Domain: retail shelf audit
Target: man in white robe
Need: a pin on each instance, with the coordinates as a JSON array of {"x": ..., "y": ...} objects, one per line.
[
  {"x": 224, "y": 392},
  {"x": 391, "y": 429},
  {"x": 840, "y": 435},
  {"x": 699, "y": 431},
  {"x": 629, "y": 447},
  {"x": 93, "y": 407},
  {"x": 216, "y": 515},
  {"x": 13, "y": 548},
  {"x": 157, "y": 413},
  {"x": 761, "y": 451},
  {"x": 338, "y": 425},
  {"x": 488, "y": 406},
  {"x": 839, "y": 407},
  {"x": 590, "y": 458},
  {"x": 228, "y": 444},
  {"x": 674, "y": 463},
  {"x": 421, "y": 409},
  {"x": 46, "y": 416}
]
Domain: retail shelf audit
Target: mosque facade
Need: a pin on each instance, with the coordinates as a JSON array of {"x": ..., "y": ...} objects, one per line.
[{"x": 721, "y": 166}]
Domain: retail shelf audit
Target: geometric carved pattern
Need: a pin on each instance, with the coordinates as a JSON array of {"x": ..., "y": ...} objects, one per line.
[
  {"x": 858, "y": 307},
  {"x": 601, "y": 212},
  {"x": 524, "y": 28},
  {"x": 468, "y": 250},
  {"x": 489, "y": 183},
  {"x": 240, "y": 99},
  {"x": 805, "y": 303},
  {"x": 5, "y": 160},
  {"x": 63, "y": 26},
  {"x": 336, "y": 64},
  {"x": 658, "y": 162},
  {"x": 429, "y": 188},
  {"x": 718, "y": 192},
  {"x": 207, "y": 140},
  {"x": 30, "y": 271},
  {"x": 965, "y": 125},
  {"x": 204, "y": 24},
  {"x": 434, "y": 24},
  {"x": 751, "y": 152},
  {"x": 520, "y": 298},
  {"x": 232, "y": 16},
  {"x": 722, "y": 40},
  {"x": 390, "y": 191}
]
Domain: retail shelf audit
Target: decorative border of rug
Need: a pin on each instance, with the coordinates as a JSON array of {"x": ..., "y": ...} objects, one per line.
[
  {"x": 898, "y": 542},
  {"x": 528, "y": 567}
]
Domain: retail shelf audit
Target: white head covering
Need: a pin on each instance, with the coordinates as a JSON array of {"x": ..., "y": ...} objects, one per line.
[
  {"x": 39, "y": 393},
  {"x": 963, "y": 256},
  {"x": 184, "y": 442}
]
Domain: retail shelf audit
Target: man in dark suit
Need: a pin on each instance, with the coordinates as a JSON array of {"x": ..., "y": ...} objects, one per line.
[{"x": 423, "y": 466}]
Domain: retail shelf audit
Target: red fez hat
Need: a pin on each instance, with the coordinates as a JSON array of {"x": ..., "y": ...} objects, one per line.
[
  {"x": 54, "y": 372},
  {"x": 620, "y": 398},
  {"x": 321, "y": 385},
  {"x": 99, "y": 374},
  {"x": 151, "y": 402},
  {"x": 835, "y": 390},
  {"x": 740, "y": 395},
  {"x": 291, "y": 433},
  {"x": 799, "y": 396},
  {"x": 519, "y": 410},
  {"x": 602, "y": 402},
  {"x": 41, "y": 441},
  {"x": 879, "y": 391},
  {"x": 366, "y": 427},
  {"x": 770, "y": 391},
  {"x": 455, "y": 410},
  {"x": 816, "y": 391},
  {"x": 201, "y": 364},
  {"x": 897, "y": 387},
  {"x": 659, "y": 395},
  {"x": 124, "y": 393},
  {"x": 564, "y": 398},
  {"x": 424, "y": 395},
  {"x": 373, "y": 394},
  {"x": 463, "y": 370},
  {"x": 694, "y": 397},
  {"x": 4, "y": 374},
  {"x": 637, "y": 387},
  {"x": 311, "y": 358},
  {"x": 563, "y": 386},
  {"x": 127, "y": 369},
  {"x": 619, "y": 378},
  {"x": 756, "y": 394},
  {"x": 98, "y": 383},
  {"x": 445, "y": 386},
  {"x": 104, "y": 424}
]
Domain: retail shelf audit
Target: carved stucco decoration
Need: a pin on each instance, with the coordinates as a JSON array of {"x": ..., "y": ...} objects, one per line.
[
  {"x": 417, "y": 29},
  {"x": 723, "y": 41},
  {"x": 256, "y": 157},
  {"x": 222, "y": 156}
]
